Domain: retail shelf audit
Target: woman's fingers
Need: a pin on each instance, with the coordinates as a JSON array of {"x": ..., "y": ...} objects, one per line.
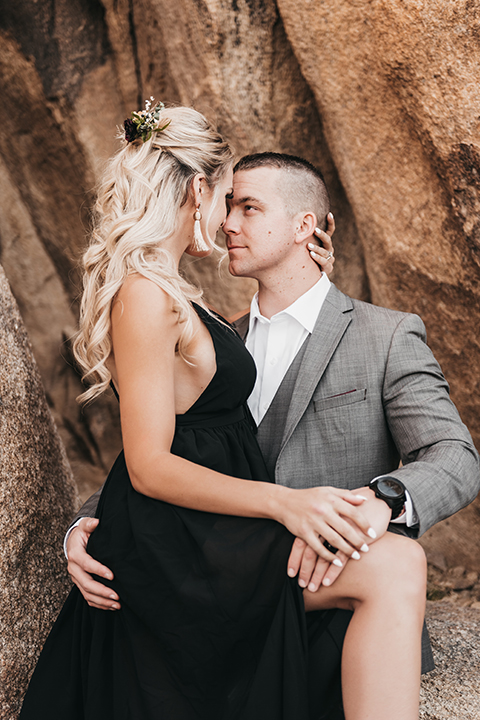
[
  {"x": 303, "y": 562},
  {"x": 321, "y": 567},
  {"x": 307, "y": 567},
  {"x": 345, "y": 529},
  {"x": 334, "y": 530},
  {"x": 330, "y": 225},
  {"x": 332, "y": 513},
  {"x": 326, "y": 573},
  {"x": 344, "y": 538},
  {"x": 348, "y": 507},
  {"x": 323, "y": 253},
  {"x": 334, "y": 505},
  {"x": 325, "y": 241},
  {"x": 316, "y": 543},
  {"x": 296, "y": 556}
]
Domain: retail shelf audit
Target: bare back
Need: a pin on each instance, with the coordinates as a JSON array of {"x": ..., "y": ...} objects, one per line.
[{"x": 190, "y": 376}]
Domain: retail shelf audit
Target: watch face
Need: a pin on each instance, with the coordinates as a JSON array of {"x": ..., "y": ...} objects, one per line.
[{"x": 390, "y": 488}]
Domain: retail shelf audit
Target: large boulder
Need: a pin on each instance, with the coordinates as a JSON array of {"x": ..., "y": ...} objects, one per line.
[
  {"x": 37, "y": 498},
  {"x": 66, "y": 91},
  {"x": 382, "y": 97}
]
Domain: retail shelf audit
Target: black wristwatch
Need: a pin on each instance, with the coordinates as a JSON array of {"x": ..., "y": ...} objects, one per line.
[{"x": 392, "y": 491}]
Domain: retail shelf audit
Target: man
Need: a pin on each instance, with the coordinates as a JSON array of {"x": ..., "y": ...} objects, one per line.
[{"x": 345, "y": 390}]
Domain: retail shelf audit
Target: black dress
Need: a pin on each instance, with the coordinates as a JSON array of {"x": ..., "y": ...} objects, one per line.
[{"x": 211, "y": 627}]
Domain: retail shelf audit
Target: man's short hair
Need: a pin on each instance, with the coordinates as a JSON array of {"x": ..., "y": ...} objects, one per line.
[{"x": 301, "y": 184}]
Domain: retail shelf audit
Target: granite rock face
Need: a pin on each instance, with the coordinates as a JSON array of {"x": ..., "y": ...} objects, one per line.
[
  {"x": 382, "y": 96},
  {"x": 69, "y": 75},
  {"x": 396, "y": 84},
  {"x": 37, "y": 498},
  {"x": 450, "y": 692}
]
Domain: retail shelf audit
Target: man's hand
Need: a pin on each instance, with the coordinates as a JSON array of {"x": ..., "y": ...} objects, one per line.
[{"x": 81, "y": 567}]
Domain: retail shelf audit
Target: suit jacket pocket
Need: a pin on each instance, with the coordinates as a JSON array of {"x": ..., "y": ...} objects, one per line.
[{"x": 334, "y": 401}]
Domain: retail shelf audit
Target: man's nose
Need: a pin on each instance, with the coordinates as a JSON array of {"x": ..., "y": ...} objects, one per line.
[{"x": 229, "y": 226}]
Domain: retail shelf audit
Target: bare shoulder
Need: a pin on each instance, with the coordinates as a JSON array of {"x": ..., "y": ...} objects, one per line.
[
  {"x": 137, "y": 289},
  {"x": 141, "y": 298}
]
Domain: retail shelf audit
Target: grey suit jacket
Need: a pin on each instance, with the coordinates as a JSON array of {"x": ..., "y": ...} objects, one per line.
[{"x": 364, "y": 393}]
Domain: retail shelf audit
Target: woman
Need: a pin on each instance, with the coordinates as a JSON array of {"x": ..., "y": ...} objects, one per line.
[{"x": 198, "y": 537}]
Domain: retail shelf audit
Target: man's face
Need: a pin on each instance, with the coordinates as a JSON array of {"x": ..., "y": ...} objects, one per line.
[{"x": 260, "y": 233}]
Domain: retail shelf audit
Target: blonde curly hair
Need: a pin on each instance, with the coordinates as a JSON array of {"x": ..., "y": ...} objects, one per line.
[{"x": 143, "y": 188}]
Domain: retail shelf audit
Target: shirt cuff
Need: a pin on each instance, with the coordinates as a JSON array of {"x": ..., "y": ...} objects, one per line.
[
  {"x": 409, "y": 517},
  {"x": 67, "y": 535}
]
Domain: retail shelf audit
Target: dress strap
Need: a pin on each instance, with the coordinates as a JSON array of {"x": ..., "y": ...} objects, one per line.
[{"x": 114, "y": 389}]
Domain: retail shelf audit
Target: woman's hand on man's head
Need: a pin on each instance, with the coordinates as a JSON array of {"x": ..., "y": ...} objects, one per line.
[{"x": 323, "y": 254}]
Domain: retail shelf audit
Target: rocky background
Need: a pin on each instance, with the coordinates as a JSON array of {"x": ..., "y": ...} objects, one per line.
[
  {"x": 37, "y": 497},
  {"x": 382, "y": 95}
]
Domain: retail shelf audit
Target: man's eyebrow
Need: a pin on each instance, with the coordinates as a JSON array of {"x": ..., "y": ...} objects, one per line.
[{"x": 250, "y": 200}]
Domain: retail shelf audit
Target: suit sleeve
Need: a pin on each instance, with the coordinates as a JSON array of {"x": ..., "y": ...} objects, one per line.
[
  {"x": 440, "y": 465},
  {"x": 89, "y": 508}
]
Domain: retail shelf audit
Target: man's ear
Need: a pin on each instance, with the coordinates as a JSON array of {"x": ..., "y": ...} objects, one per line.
[{"x": 305, "y": 224}]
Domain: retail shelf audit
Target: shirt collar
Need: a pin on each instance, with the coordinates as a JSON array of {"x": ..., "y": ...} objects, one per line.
[{"x": 305, "y": 309}]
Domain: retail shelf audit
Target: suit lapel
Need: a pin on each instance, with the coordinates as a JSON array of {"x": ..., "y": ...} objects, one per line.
[{"x": 333, "y": 320}]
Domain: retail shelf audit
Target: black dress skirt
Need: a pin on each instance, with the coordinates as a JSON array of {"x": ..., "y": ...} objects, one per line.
[{"x": 211, "y": 627}]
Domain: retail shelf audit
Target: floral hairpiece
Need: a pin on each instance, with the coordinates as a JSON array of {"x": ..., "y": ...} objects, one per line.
[{"x": 144, "y": 122}]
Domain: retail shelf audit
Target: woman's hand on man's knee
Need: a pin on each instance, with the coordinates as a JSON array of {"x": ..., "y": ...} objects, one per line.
[{"x": 313, "y": 571}]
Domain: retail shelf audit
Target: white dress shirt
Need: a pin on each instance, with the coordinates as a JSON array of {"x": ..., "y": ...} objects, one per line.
[{"x": 274, "y": 343}]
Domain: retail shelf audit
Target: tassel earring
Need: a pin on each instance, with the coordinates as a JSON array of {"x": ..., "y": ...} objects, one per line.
[{"x": 199, "y": 244}]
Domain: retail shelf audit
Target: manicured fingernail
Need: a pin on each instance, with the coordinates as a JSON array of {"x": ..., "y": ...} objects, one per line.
[
  {"x": 326, "y": 582},
  {"x": 360, "y": 497},
  {"x": 317, "y": 230},
  {"x": 330, "y": 215},
  {"x": 302, "y": 583},
  {"x": 337, "y": 562},
  {"x": 311, "y": 246},
  {"x": 355, "y": 555},
  {"x": 113, "y": 597},
  {"x": 312, "y": 587},
  {"x": 313, "y": 254},
  {"x": 371, "y": 533},
  {"x": 364, "y": 547},
  {"x": 291, "y": 572},
  {"x": 114, "y": 607}
]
